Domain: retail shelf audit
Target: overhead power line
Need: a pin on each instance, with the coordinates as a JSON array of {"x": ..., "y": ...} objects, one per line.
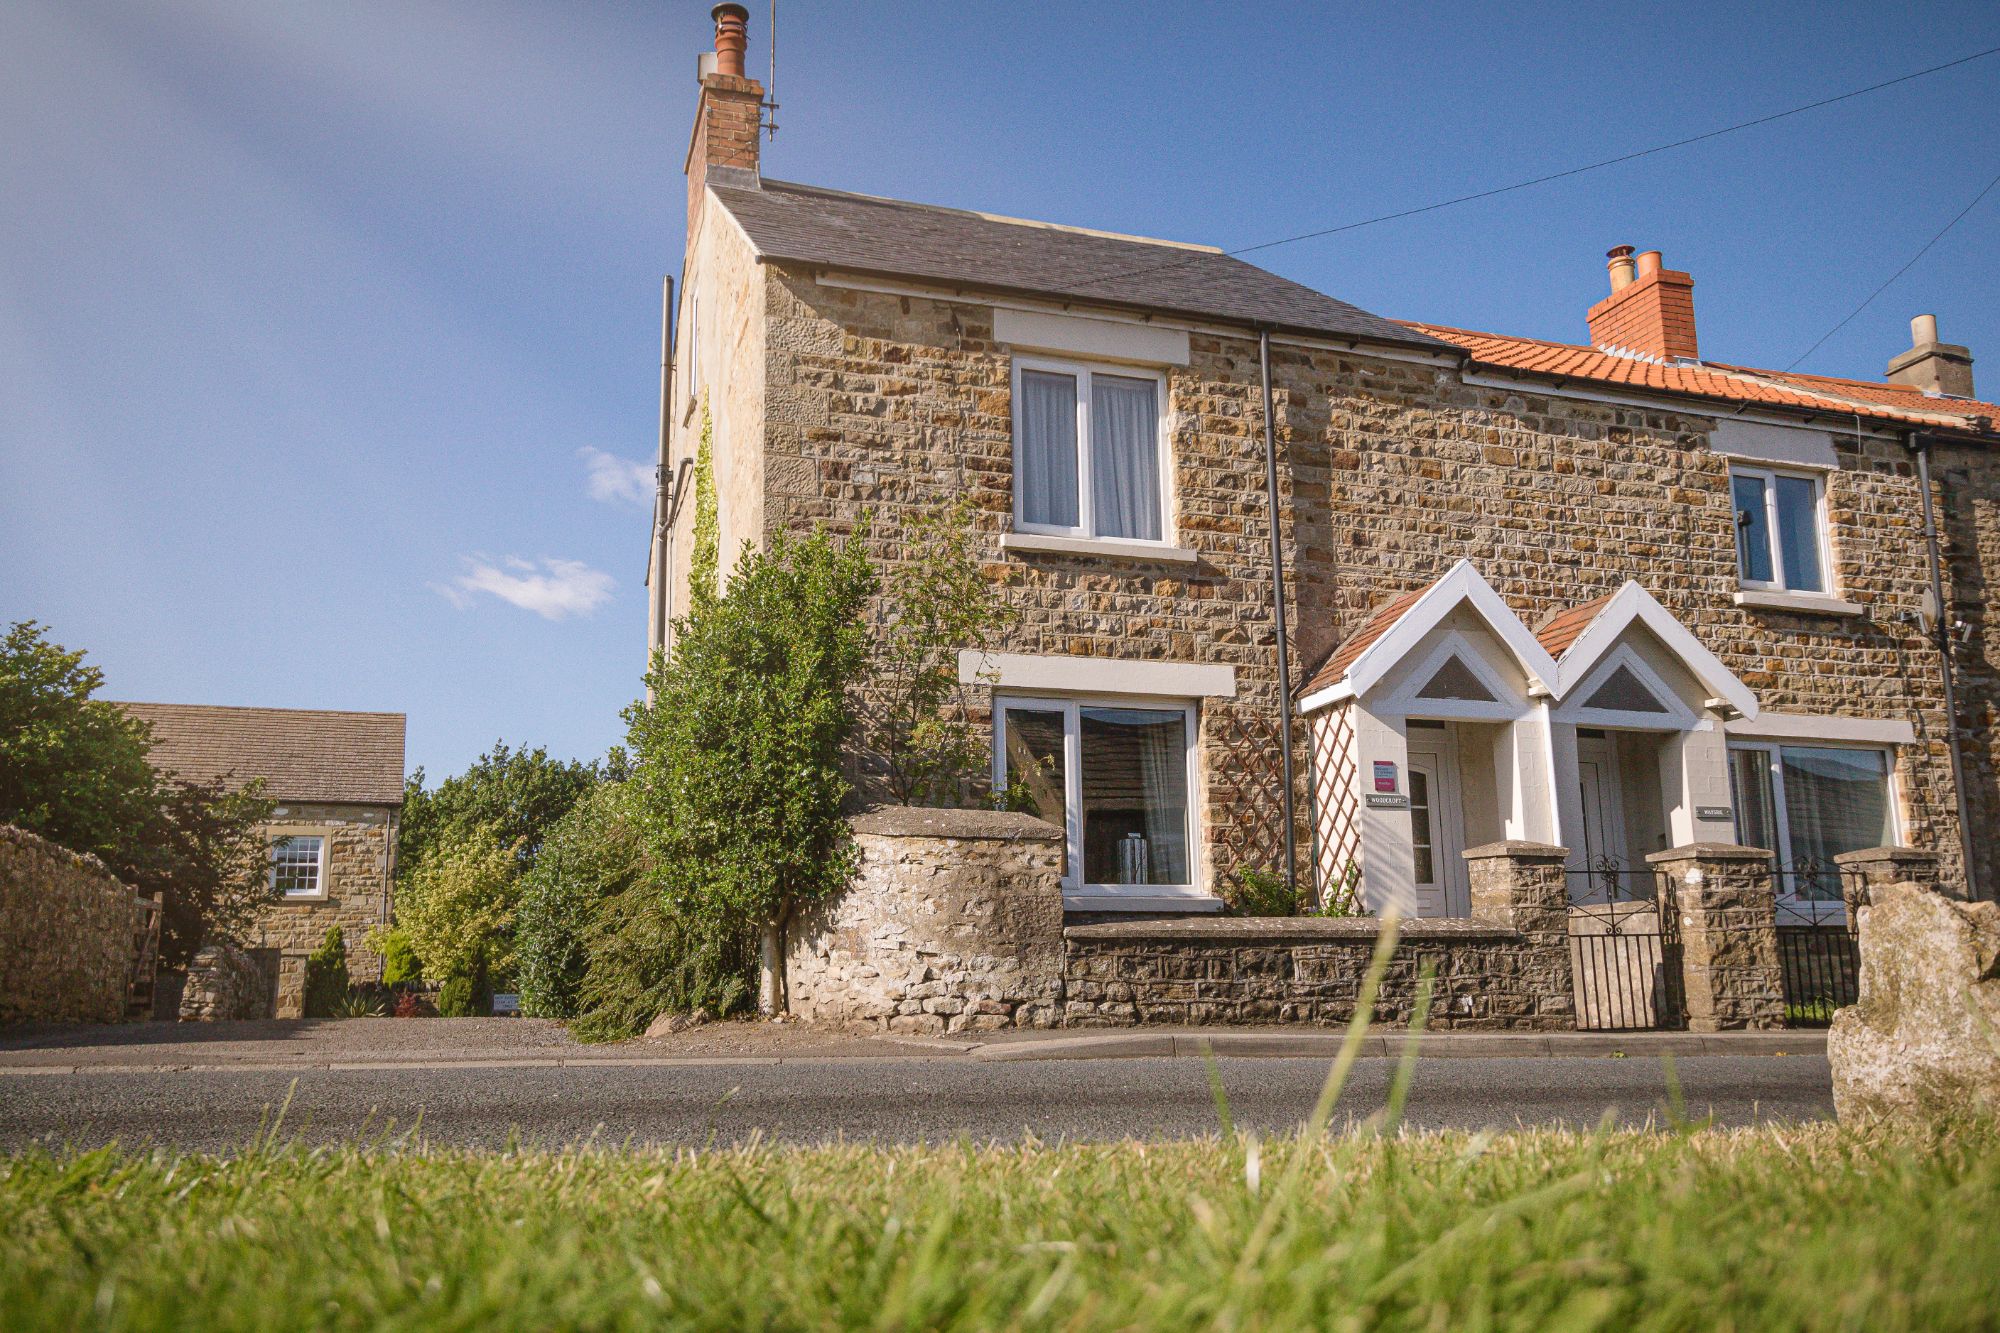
[
  {"x": 1551, "y": 176},
  {"x": 1898, "y": 273}
]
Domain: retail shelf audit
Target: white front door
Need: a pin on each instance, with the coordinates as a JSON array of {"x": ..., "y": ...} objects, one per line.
[
  {"x": 1603, "y": 813},
  {"x": 1436, "y": 831}
]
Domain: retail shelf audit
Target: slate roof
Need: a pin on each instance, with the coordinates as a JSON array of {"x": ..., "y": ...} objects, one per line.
[
  {"x": 1897, "y": 403},
  {"x": 858, "y": 233},
  {"x": 1379, "y": 622},
  {"x": 302, "y": 754}
]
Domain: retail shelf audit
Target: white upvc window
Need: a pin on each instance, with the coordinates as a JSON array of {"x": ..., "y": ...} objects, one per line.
[
  {"x": 1781, "y": 530},
  {"x": 1090, "y": 451},
  {"x": 1810, "y": 803},
  {"x": 1117, "y": 774},
  {"x": 298, "y": 866}
]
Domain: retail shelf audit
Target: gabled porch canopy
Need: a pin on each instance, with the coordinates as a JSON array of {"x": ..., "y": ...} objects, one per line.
[{"x": 1583, "y": 636}]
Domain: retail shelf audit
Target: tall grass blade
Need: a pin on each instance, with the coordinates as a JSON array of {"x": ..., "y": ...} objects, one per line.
[
  {"x": 1406, "y": 1067},
  {"x": 1217, "y": 1091}
]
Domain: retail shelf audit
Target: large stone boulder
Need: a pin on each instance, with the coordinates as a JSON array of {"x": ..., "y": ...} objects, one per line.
[{"x": 1923, "y": 1040}]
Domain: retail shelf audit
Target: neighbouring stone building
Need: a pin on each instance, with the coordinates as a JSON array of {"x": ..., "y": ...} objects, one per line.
[
  {"x": 1611, "y": 598},
  {"x": 338, "y": 780}
]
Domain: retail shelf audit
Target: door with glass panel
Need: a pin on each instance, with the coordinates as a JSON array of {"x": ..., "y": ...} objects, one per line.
[
  {"x": 1436, "y": 839},
  {"x": 1601, "y": 861},
  {"x": 1117, "y": 776},
  {"x": 1810, "y": 803}
]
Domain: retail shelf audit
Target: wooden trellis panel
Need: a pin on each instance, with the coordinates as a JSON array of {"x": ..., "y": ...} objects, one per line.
[{"x": 1336, "y": 812}]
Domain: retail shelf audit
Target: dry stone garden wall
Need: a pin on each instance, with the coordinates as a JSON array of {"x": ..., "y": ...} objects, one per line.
[
  {"x": 67, "y": 930},
  {"x": 954, "y": 924}
]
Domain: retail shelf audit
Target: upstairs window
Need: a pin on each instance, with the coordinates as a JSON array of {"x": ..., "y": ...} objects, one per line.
[
  {"x": 1088, "y": 461},
  {"x": 1780, "y": 529},
  {"x": 295, "y": 866}
]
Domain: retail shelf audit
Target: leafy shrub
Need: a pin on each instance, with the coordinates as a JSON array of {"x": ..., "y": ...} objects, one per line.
[
  {"x": 518, "y": 796},
  {"x": 326, "y": 976},
  {"x": 358, "y": 1003},
  {"x": 460, "y": 902},
  {"x": 468, "y": 994},
  {"x": 400, "y": 964},
  {"x": 1263, "y": 893},
  {"x": 942, "y": 603},
  {"x": 646, "y": 960},
  {"x": 409, "y": 1004},
  {"x": 737, "y": 762},
  {"x": 705, "y": 555},
  {"x": 590, "y": 855}
]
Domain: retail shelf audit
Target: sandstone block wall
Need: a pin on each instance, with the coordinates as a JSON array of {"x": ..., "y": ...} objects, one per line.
[
  {"x": 1308, "y": 970},
  {"x": 954, "y": 924},
  {"x": 355, "y": 875},
  {"x": 67, "y": 931},
  {"x": 1723, "y": 898}
]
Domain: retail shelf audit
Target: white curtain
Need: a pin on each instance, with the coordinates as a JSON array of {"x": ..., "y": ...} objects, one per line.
[
  {"x": 1048, "y": 449},
  {"x": 1125, "y": 456},
  {"x": 1835, "y": 801},
  {"x": 1163, "y": 778}
]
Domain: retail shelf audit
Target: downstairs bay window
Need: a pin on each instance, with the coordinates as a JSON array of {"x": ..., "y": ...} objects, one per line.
[
  {"x": 1118, "y": 777},
  {"x": 1810, "y": 803}
]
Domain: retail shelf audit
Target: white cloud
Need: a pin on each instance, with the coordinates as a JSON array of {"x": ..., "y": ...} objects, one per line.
[
  {"x": 614, "y": 479},
  {"x": 553, "y": 589}
]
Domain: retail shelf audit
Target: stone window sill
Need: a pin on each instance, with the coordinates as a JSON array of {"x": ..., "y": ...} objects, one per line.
[
  {"x": 1075, "y": 900},
  {"x": 1798, "y": 603},
  {"x": 1038, "y": 543}
]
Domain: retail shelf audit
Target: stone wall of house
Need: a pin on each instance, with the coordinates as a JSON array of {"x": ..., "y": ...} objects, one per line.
[
  {"x": 356, "y": 879},
  {"x": 67, "y": 934},
  {"x": 1309, "y": 970},
  {"x": 1966, "y": 483},
  {"x": 1391, "y": 470},
  {"x": 953, "y": 924}
]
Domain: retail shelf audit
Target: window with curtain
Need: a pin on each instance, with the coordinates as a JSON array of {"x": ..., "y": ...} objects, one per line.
[
  {"x": 1780, "y": 530},
  {"x": 1087, "y": 451},
  {"x": 1115, "y": 778},
  {"x": 1810, "y": 803}
]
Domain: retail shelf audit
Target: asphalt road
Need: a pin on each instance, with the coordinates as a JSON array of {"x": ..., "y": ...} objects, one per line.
[{"x": 898, "y": 1100}]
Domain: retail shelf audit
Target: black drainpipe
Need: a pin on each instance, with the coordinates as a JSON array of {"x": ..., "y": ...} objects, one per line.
[
  {"x": 1278, "y": 603},
  {"x": 1914, "y": 441}
]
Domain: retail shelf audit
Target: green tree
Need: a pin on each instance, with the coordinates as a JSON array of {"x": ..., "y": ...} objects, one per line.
[
  {"x": 518, "y": 795},
  {"x": 326, "y": 975},
  {"x": 75, "y": 770},
  {"x": 72, "y": 768},
  {"x": 941, "y": 602},
  {"x": 737, "y": 762},
  {"x": 592, "y": 853},
  {"x": 458, "y": 903}
]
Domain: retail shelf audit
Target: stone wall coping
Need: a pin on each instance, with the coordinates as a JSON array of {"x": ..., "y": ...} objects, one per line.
[
  {"x": 35, "y": 842},
  {"x": 1710, "y": 851},
  {"x": 1285, "y": 929},
  {"x": 1895, "y": 855},
  {"x": 923, "y": 821},
  {"x": 1517, "y": 850}
]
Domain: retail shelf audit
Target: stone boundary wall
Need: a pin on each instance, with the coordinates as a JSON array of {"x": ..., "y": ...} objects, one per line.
[
  {"x": 67, "y": 932},
  {"x": 224, "y": 983},
  {"x": 954, "y": 923},
  {"x": 1309, "y": 970}
]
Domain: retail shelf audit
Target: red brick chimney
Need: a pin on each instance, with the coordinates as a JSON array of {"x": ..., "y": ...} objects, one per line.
[
  {"x": 726, "y": 118},
  {"x": 1650, "y": 309}
]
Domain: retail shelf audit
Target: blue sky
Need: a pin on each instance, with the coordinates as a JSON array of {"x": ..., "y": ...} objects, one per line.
[{"x": 328, "y": 332}]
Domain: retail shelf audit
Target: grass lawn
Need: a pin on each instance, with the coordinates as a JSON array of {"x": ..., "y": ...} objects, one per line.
[{"x": 1812, "y": 1227}]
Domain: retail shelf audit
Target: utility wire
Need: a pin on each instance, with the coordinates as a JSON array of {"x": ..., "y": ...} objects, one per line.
[
  {"x": 1552, "y": 176},
  {"x": 1898, "y": 273}
]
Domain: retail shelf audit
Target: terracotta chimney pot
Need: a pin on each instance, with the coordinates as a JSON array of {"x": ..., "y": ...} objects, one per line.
[
  {"x": 1620, "y": 264},
  {"x": 732, "y": 38},
  {"x": 1649, "y": 263},
  {"x": 1923, "y": 330}
]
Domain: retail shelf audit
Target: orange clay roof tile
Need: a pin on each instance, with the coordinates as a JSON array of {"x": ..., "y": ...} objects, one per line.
[{"x": 1379, "y": 622}]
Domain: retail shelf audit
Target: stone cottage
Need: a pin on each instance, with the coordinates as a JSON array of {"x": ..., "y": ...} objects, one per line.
[
  {"x": 338, "y": 780},
  {"x": 1308, "y": 589}
]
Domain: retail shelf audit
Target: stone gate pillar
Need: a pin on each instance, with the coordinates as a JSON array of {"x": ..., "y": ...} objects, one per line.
[
  {"x": 1724, "y": 901},
  {"x": 1522, "y": 886},
  {"x": 1862, "y": 872}
]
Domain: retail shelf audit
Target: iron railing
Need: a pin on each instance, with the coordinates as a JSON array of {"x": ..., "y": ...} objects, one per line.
[
  {"x": 1624, "y": 950},
  {"x": 1819, "y": 954}
]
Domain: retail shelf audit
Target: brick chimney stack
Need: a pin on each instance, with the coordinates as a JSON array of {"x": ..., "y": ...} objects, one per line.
[
  {"x": 724, "y": 146},
  {"x": 1650, "y": 310},
  {"x": 1934, "y": 367}
]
